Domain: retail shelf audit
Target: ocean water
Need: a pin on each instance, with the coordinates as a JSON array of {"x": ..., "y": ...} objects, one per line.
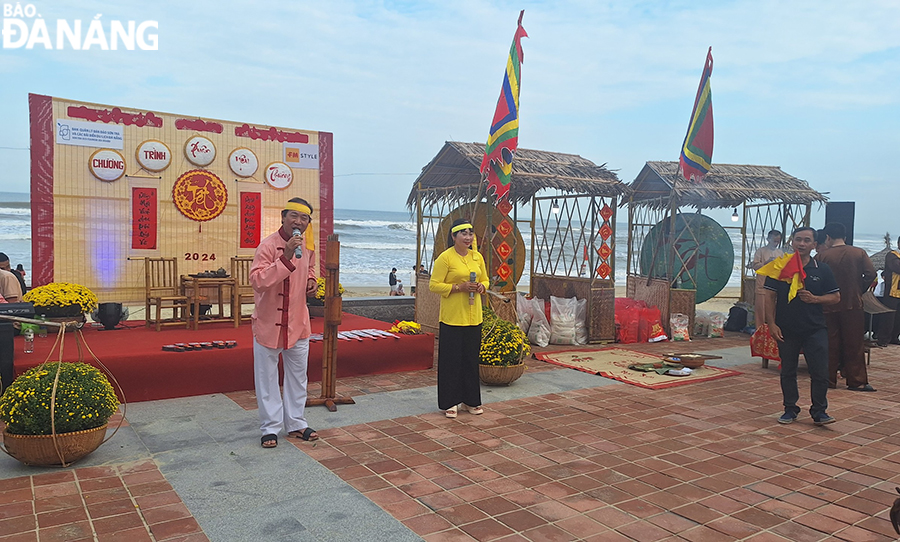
[
  {"x": 15, "y": 230},
  {"x": 372, "y": 242}
]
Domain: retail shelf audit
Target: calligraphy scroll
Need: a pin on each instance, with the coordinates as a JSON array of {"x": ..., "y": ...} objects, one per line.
[
  {"x": 144, "y": 225},
  {"x": 251, "y": 219}
]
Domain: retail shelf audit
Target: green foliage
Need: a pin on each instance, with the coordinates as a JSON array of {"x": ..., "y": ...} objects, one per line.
[
  {"x": 502, "y": 342},
  {"x": 84, "y": 400}
]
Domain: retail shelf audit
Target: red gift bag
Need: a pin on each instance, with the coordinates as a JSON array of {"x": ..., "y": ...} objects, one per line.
[{"x": 762, "y": 345}]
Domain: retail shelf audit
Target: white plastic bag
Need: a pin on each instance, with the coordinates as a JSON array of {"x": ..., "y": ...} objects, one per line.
[
  {"x": 717, "y": 324},
  {"x": 539, "y": 331},
  {"x": 581, "y": 330},
  {"x": 562, "y": 319},
  {"x": 701, "y": 323},
  {"x": 678, "y": 324},
  {"x": 523, "y": 313}
]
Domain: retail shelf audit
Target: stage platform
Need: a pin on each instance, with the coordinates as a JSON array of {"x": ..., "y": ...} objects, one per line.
[{"x": 146, "y": 372}]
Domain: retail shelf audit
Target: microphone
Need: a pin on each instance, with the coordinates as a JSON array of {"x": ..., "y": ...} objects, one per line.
[
  {"x": 472, "y": 278},
  {"x": 298, "y": 252}
]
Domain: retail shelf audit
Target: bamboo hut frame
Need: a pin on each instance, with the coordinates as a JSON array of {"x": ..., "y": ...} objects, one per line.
[
  {"x": 768, "y": 197},
  {"x": 555, "y": 255}
]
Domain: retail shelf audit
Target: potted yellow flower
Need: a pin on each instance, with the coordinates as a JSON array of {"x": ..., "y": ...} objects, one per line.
[
  {"x": 503, "y": 349},
  {"x": 62, "y": 300},
  {"x": 319, "y": 299},
  {"x": 56, "y": 413}
]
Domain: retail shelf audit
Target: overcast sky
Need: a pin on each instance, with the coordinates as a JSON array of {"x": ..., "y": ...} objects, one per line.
[{"x": 811, "y": 86}]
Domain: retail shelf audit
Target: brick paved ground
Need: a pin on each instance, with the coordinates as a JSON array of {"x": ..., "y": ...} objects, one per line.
[
  {"x": 130, "y": 502},
  {"x": 704, "y": 461}
]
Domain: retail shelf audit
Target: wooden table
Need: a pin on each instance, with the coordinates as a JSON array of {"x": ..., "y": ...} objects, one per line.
[{"x": 194, "y": 288}]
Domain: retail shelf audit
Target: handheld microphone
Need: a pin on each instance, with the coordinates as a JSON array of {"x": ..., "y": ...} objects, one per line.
[
  {"x": 298, "y": 252},
  {"x": 472, "y": 278}
]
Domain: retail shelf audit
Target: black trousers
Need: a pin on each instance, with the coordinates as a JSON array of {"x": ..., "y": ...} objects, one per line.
[
  {"x": 459, "y": 348},
  {"x": 815, "y": 351},
  {"x": 888, "y": 324}
]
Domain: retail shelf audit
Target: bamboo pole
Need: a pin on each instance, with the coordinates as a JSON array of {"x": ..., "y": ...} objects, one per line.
[
  {"x": 329, "y": 396},
  {"x": 47, "y": 323}
]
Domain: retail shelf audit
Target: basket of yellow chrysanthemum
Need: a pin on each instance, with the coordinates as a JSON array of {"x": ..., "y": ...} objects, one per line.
[
  {"x": 56, "y": 413},
  {"x": 319, "y": 298},
  {"x": 503, "y": 350},
  {"x": 62, "y": 300}
]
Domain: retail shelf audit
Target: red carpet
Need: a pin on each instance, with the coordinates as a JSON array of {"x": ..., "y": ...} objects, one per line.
[{"x": 146, "y": 373}]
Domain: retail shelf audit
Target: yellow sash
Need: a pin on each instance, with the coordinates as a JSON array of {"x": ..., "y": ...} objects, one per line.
[{"x": 895, "y": 280}]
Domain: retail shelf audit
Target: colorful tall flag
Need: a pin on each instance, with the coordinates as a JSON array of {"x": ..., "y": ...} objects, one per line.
[
  {"x": 787, "y": 268},
  {"x": 697, "y": 149},
  {"x": 504, "y": 135}
]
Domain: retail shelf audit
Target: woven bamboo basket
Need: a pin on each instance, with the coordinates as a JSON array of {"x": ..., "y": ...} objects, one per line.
[
  {"x": 72, "y": 322},
  {"x": 500, "y": 375},
  {"x": 39, "y": 450}
]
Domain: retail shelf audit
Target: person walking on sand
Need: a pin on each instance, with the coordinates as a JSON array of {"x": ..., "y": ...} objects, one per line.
[
  {"x": 459, "y": 276},
  {"x": 283, "y": 275},
  {"x": 797, "y": 287}
]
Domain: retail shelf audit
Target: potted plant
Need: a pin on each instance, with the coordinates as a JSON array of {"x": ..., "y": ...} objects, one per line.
[
  {"x": 63, "y": 300},
  {"x": 503, "y": 349},
  {"x": 41, "y": 431},
  {"x": 319, "y": 299}
]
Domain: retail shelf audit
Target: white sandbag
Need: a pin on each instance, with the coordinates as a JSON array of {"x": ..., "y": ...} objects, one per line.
[
  {"x": 523, "y": 313},
  {"x": 562, "y": 319},
  {"x": 539, "y": 332},
  {"x": 581, "y": 329}
]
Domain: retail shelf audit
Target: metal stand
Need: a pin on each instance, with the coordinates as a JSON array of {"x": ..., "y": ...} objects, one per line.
[{"x": 330, "y": 333}]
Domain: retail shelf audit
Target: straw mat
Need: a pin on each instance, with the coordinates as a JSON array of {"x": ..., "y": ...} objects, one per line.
[{"x": 613, "y": 363}]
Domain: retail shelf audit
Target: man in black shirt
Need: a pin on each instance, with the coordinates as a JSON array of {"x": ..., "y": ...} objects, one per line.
[
  {"x": 799, "y": 324},
  {"x": 392, "y": 281}
]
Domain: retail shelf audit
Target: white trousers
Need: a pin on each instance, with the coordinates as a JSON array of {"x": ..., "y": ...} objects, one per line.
[{"x": 275, "y": 414}]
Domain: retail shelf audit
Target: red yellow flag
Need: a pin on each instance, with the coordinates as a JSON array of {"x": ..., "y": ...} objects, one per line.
[
  {"x": 697, "y": 149},
  {"x": 503, "y": 139},
  {"x": 787, "y": 268}
]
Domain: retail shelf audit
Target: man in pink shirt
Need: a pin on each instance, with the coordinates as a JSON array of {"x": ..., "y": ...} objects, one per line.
[{"x": 283, "y": 274}]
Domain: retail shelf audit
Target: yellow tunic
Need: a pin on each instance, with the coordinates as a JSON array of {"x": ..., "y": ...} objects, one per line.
[{"x": 450, "y": 268}]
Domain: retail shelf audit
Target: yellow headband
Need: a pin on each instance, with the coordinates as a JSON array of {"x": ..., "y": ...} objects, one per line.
[
  {"x": 299, "y": 207},
  {"x": 461, "y": 227},
  {"x": 310, "y": 233}
]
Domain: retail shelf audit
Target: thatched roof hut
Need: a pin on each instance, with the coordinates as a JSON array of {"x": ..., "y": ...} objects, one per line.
[
  {"x": 878, "y": 257},
  {"x": 453, "y": 173},
  {"x": 726, "y": 185}
]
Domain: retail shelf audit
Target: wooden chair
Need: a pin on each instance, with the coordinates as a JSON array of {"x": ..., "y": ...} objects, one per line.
[
  {"x": 243, "y": 291},
  {"x": 163, "y": 290}
]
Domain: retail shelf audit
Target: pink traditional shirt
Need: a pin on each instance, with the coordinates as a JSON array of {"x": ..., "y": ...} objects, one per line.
[{"x": 279, "y": 280}]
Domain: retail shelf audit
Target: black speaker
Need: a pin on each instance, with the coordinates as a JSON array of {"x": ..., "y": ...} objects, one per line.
[
  {"x": 7, "y": 372},
  {"x": 109, "y": 314},
  {"x": 843, "y": 212}
]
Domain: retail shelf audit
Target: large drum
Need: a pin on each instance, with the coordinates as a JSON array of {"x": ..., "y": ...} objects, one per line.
[{"x": 705, "y": 254}]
